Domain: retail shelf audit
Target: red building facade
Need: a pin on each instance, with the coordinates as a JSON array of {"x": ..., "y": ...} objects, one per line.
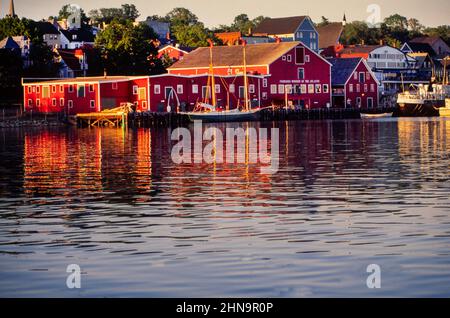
[{"x": 354, "y": 84}]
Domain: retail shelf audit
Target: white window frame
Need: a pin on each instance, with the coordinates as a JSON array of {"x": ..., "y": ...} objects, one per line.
[
  {"x": 283, "y": 58},
  {"x": 29, "y": 89},
  {"x": 71, "y": 87},
  {"x": 93, "y": 88},
  {"x": 61, "y": 102},
  {"x": 280, "y": 88},
  {"x": 251, "y": 88},
  {"x": 38, "y": 102},
  {"x": 311, "y": 89},
  {"x": 217, "y": 88},
  {"x": 232, "y": 88},
  {"x": 144, "y": 104},
  {"x": 53, "y": 89},
  {"x": 180, "y": 89},
  {"x": 30, "y": 102},
  {"x": 194, "y": 88},
  {"x": 157, "y": 89},
  {"x": 92, "y": 103},
  {"x": 273, "y": 89},
  {"x": 289, "y": 58},
  {"x": 38, "y": 89},
  {"x": 54, "y": 104},
  {"x": 264, "y": 82},
  {"x": 326, "y": 88},
  {"x": 318, "y": 89},
  {"x": 70, "y": 103},
  {"x": 350, "y": 88},
  {"x": 307, "y": 58},
  {"x": 114, "y": 86},
  {"x": 298, "y": 73},
  {"x": 140, "y": 91},
  {"x": 135, "y": 89},
  {"x": 61, "y": 88}
]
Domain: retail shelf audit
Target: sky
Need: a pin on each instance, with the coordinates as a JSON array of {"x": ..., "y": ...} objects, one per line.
[{"x": 215, "y": 12}]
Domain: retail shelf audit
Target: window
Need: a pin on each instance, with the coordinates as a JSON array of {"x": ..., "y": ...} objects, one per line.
[
  {"x": 301, "y": 34},
  {"x": 289, "y": 58},
  {"x": 144, "y": 104},
  {"x": 92, "y": 103},
  {"x": 45, "y": 92},
  {"x": 318, "y": 88},
  {"x": 142, "y": 93},
  {"x": 326, "y": 88},
  {"x": 358, "y": 101},
  {"x": 310, "y": 88},
  {"x": 265, "y": 82},
  {"x": 232, "y": 88},
  {"x": 372, "y": 88},
  {"x": 70, "y": 103},
  {"x": 362, "y": 77},
  {"x": 280, "y": 88},
  {"x": 358, "y": 88},
  {"x": 168, "y": 92},
  {"x": 306, "y": 58},
  {"x": 301, "y": 73},
  {"x": 273, "y": 89},
  {"x": 288, "y": 89},
  {"x": 53, "y": 88},
  {"x": 54, "y": 102},
  {"x": 370, "y": 102},
  {"x": 38, "y": 102},
  {"x": 70, "y": 88},
  {"x": 264, "y": 95},
  {"x": 91, "y": 88},
  {"x": 80, "y": 91},
  {"x": 283, "y": 58},
  {"x": 135, "y": 89},
  {"x": 30, "y": 103},
  {"x": 29, "y": 89},
  {"x": 300, "y": 55},
  {"x": 241, "y": 92},
  {"x": 355, "y": 76},
  {"x": 217, "y": 88},
  {"x": 365, "y": 88},
  {"x": 251, "y": 88},
  {"x": 38, "y": 89},
  {"x": 195, "y": 89},
  {"x": 114, "y": 86},
  {"x": 179, "y": 89},
  {"x": 61, "y": 102},
  {"x": 367, "y": 76},
  {"x": 61, "y": 88},
  {"x": 157, "y": 89},
  {"x": 206, "y": 91},
  {"x": 303, "y": 88},
  {"x": 350, "y": 88}
]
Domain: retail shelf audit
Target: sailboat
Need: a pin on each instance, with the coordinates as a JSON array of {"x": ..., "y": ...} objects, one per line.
[{"x": 209, "y": 112}]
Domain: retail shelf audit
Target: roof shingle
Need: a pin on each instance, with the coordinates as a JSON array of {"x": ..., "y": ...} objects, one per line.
[
  {"x": 342, "y": 69},
  {"x": 272, "y": 26}
]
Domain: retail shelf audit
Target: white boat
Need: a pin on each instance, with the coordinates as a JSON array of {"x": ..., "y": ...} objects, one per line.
[
  {"x": 208, "y": 113},
  {"x": 375, "y": 116}
]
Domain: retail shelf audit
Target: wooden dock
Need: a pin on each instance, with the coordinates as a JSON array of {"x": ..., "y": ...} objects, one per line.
[{"x": 114, "y": 117}]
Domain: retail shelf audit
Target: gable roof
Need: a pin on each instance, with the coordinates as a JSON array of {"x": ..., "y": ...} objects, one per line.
[
  {"x": 274, "y": 26},
  {"x": 330, "y": 34},
  {"x": 426, "y": 39},
  {"x": 45, "y": 27},
  {"x": 421, "y": 58},
  {"x": 185, "y": 49},
  {"x": 9, "y": 43},
  {"x": 256, "y": 54},
  {"x": 359, "y": 49},
  {"x": 421, "y": 47},
  {"x": 342, "y": 69},
  {"x": 82, "y": 35}
]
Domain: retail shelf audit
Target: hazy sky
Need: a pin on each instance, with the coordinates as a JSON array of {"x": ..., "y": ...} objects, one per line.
[{"x": 215, "y": 12}]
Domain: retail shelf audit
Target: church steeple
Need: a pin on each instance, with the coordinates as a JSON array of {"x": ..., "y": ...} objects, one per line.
[
  {"x": 12, "y": 13},
  {"x": 344, "y": 20}
]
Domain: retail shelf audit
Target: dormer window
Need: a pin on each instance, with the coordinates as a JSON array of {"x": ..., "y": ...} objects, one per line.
[{"x": 74, "y": 37}]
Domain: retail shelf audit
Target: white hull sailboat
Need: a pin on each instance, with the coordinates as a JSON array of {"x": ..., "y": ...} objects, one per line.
[{"x": 375, "y": 116}]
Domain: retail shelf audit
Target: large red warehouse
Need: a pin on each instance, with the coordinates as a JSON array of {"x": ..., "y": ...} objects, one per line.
[{"x": 290, "y": 66}]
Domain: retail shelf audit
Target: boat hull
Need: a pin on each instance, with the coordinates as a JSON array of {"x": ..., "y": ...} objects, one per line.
[
  {"x": 375, "y": 116},
  {"x": 224, "y": 116}
]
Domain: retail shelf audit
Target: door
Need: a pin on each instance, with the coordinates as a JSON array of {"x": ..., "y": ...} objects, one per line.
[{"x": 370, "y": 102}]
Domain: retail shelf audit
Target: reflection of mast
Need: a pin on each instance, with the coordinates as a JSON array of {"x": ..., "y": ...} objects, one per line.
[
  {"x": 211, "y": 72},
  {"x": 244, "y": 43}
]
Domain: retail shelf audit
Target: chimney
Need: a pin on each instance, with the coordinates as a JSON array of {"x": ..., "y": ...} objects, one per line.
[
  {"x": 381, "y": 42},
  {"x": 249, "y": 31},
  {"x": 363, "y": 42}
]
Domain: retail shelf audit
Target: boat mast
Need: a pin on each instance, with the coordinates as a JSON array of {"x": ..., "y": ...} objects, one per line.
[
  {"x": 211, "y": 72},
  {"x": 244, "y": 44}
]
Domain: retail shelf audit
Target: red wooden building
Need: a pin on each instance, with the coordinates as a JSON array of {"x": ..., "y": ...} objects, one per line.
[
  {"x": 354, "y": 85},
  {"x": 173, "y": 52},
  {"x": 84, "y": 94},
  {"x": 290, "y": 68}
]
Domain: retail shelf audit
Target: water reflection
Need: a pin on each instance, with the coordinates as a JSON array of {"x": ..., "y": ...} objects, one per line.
[{"x": 347, "y": 194}]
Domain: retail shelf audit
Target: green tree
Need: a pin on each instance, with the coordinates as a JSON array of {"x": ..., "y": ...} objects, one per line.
[
  {"x": 396, "y": 21},
  {"x": 107, "y": 15},
  {"x": 443, "y": 31},
  {"x": 324, "y": 22},
  {"x": 181, "y": 17},
  {"x": 242, "y": 23},
  {"x": 127, "y": 48}
]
